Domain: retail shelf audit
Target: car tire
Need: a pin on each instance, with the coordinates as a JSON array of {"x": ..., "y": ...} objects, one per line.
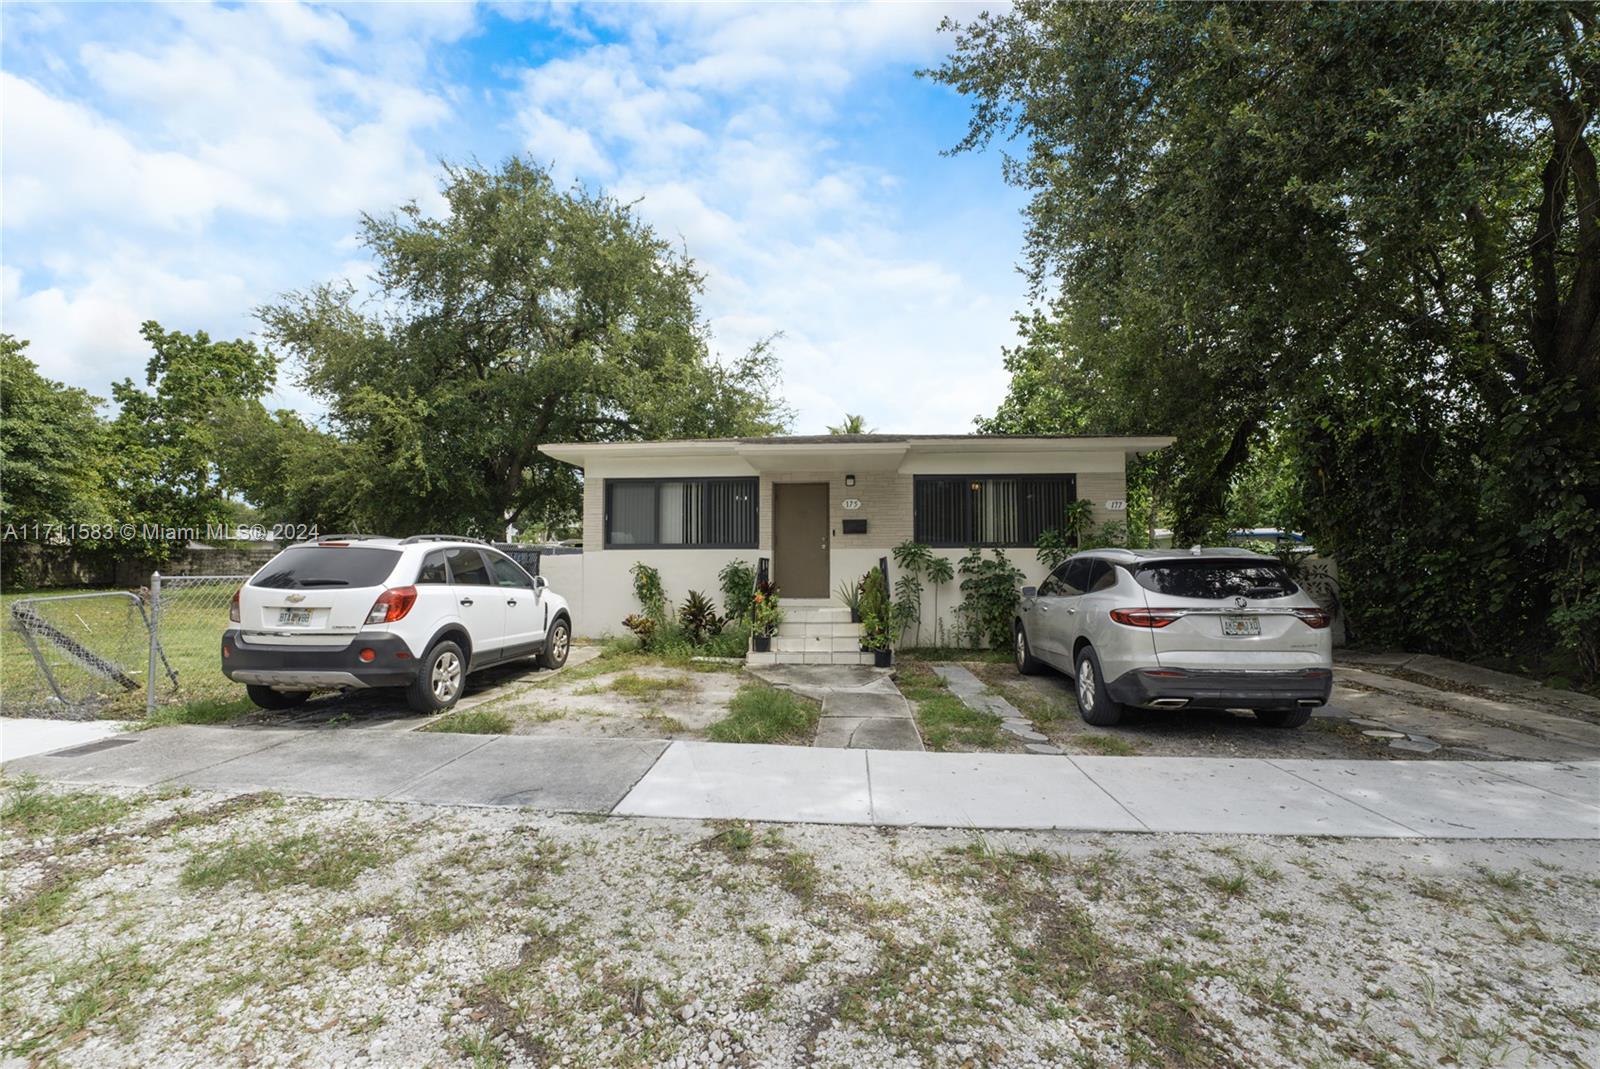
[
  {"x": 441, "y": 677},
  {"x": 1283, "y": 718},
  {"x": 1027, "y": 663},
  {"x": 556, "y": 646},
  {"x": 1095, "y": 703},
  {"x": 267, "y": 698}
]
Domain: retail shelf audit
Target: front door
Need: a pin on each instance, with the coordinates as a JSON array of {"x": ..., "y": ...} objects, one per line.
[{"x": 800, "y": 539}]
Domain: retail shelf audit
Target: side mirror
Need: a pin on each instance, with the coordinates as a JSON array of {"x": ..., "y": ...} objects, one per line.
[
  {"x": 540, "y": 582},
  {"x": 1030, "y": 591}
]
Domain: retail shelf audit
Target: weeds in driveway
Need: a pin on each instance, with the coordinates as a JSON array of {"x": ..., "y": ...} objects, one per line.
[
  {"x": 759, "y": 713},
  {"x": 33, "y": 812},
  {"x": 1108, "y": 745},
  {"x": 205, "y": 711},
  {"x": 633, "y": 685},
  {"x": 312, "y": 859},
  {"x": 473, "y": 722},
  {"x": 946, "y": 722}
]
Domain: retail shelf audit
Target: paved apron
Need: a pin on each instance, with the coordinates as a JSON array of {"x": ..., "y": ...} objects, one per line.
[{"x": 1444, "y": 799}]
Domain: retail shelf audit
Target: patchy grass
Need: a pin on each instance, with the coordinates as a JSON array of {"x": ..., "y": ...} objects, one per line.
[
  {"x": 759, "y": 713},
  {"x": 319, "y": 860},
  {"x": 1108, "y": 745},
  {"x": 480, "y": 721},
  {"x": 33, "y": 812},
  {"x": 204, "y": 711},
  {"x": 946, "y": 722},
  {"x": 956, "y": 654},
  {"x": 645, "y": 688}
]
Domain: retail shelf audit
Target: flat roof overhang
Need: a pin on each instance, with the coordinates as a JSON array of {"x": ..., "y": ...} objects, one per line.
[{"x": 780, "y": 455}]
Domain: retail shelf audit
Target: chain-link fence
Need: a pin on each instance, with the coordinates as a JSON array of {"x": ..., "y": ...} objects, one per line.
[
  {"x": 191, "y": 612},
  {"x": 76, "y": 656}
]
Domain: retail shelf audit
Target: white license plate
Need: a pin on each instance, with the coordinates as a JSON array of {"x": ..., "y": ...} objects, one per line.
[
  {"x": 1241, "y": 625},
  {"x": 294, "y": 617}
]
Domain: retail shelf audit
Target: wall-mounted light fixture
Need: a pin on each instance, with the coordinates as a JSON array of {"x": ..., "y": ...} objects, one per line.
[{"x": 849, "y": 480}]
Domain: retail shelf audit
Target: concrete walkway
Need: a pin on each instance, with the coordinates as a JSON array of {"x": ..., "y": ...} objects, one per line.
[
  {"x": 862, "y": 709},
  {"x": 1441, "y": 799},
  {"x": 25, "y": 736},
  {"x": 975, "y": 695}
]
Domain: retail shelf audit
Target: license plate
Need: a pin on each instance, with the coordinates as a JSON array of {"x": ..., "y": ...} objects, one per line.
[
  {"x": 294, "y": 617},
  {"x": 1241, "y": 625}
]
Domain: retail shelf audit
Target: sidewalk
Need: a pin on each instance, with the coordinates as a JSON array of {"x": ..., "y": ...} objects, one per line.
[{"x": 1436, "y": 799}]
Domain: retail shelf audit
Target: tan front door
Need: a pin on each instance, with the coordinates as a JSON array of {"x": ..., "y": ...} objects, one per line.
[{"x": 800, "y": 539}]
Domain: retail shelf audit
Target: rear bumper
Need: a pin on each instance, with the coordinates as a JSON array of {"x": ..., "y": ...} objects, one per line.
[
  {"x": 319, "y": 667},
  {"x": 1178, "y": 688}
]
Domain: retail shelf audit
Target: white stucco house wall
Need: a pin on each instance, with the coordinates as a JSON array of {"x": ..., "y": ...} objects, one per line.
[{"x": 821, "y": 509}]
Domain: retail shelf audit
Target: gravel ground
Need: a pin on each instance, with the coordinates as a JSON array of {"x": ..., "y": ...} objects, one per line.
[{"x": 149, "y": 929}]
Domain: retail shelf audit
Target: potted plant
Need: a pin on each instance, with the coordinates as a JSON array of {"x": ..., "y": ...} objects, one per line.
[
  {"x": 767, "y": 617},
  {"x": 877, "y": 619},
  {"x": 849, "y": 592}
]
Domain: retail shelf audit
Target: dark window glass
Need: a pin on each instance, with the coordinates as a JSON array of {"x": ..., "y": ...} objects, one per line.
[
  {"x": 1054, "y": 585},
  {"x": 506, "y": 573},
  {"x": 466, "y": 568},
  {"x": 305, "y": 567},
  {"x": 1216, "y": 579},
  {"x": 990, "y": 510},
  {"x": 1076, "y": 577},
  {"x": 673, "y": 513},
  {"x": 433, "y": 569},
  {"x": 1103, "y": 576}
]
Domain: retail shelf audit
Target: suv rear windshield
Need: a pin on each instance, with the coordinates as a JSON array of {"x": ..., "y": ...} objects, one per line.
[
  {"x": 327, "y": 566},
  {"x": 1216, "y": 579}
]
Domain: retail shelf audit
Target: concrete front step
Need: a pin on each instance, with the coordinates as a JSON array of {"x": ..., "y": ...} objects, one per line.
[
  {"x": 814, "y": 614},
  {"x": 789, "y": 629},
  {"x": 819, "y": 657}
]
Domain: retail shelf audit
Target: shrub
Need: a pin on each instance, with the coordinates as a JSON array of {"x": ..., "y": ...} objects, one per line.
[
  {"x": 643, "y": 626},
  {"x": 699, "y": 619},
  {"x": 648, "y": 589},
  {"x": 737, "y": 581},
  {"x": 877, "y": 620},
  {"x": 988, "y": 597}
]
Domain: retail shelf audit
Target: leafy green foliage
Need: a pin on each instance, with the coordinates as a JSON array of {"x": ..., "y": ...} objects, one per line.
[
  {"x": 877, "y": 619},
  {"x": 849, "y": 593},
  {"x": 851, "y": 425},
  {"x": 1347, "y": 255},
  {"x": 989, "y": 588},
  {"x": 54, "y": 450},
  {"x": 698, "y": 618},
  {"x": 737, "y": 581},
  {"x": 648, "y": 589},
  {"x": 767, "y": 613},
  {"x": 526, "y": 314}
]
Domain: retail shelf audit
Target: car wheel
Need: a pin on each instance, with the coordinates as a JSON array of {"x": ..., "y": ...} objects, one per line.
[
  {"x": 1283, "y": 718},
  {"x": 440, "y": 679},
  {"x": 1095, "y": 703},
  {"x": 1027, "y": 663},
  {"x": 267, "y": 698},
  {"x": 556, "y": 646}
]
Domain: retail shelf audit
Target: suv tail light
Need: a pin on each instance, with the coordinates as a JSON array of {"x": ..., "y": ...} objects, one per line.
[
  {"x": 233, "y": 606},
  {"x": 1317, "y": 618},
  {"x": 1144, "y": 617},
  {"x": 392, "y": 605}
]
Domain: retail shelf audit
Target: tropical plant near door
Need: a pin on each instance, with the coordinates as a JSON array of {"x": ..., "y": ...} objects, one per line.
[
  {"x": 849, "y": 593},
  {"x": 988, "y": 598},
  {"x": 877, "y": 613},
  {"x": 699, "y": 619},
  {"x": 737, "y": 581}
]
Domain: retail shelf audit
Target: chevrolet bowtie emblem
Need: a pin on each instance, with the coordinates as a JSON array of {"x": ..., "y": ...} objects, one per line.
[{"x": 295, "y": 598}]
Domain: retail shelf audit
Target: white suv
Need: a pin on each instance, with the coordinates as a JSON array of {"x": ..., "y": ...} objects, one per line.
[
  {"x": 360, "y": 611},
  {"x": 1175, "y": 629}
]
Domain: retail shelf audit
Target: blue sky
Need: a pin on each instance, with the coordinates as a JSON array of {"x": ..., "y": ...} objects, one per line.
[{"x": 188, "y": 163}]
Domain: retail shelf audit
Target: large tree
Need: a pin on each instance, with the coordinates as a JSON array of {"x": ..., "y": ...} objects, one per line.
[
  {"x": 1364, "y": 233},
  {"x": 527, "y": 314},
  {"x": 53, "y": 453}
]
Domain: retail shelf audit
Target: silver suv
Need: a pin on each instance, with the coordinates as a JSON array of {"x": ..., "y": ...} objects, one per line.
[{"x": 1179, "y": 629}]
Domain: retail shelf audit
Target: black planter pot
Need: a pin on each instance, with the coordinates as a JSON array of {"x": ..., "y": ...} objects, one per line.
[
  {"x": 882, "y": 658},
  {"x": 855, "y": 616},
  {"x": 761, "y": 643}
]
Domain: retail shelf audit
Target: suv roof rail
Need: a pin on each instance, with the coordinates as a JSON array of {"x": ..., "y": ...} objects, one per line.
[
  {"x": 441, "y": 538},
  {"x": 343, "y": 537}
]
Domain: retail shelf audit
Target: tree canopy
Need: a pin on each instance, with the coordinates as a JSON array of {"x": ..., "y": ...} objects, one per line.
[
  {"x": 1355, "y": 244},
  {"x": 526, "y": 315},
  {"x": 53, "y": 451}
]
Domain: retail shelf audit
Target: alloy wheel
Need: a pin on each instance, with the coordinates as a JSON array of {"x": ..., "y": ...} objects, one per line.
[
  {"x": 446, "y": 676},
  {"x": 1022, "y": 647},
  {"x": 558, "y": 644},
  {"x": 1086, "y": 684}
]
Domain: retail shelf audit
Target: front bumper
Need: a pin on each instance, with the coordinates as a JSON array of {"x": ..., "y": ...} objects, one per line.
[
  {"x": 1180, "y": 688},
  {"x": 319, "y": 667}
]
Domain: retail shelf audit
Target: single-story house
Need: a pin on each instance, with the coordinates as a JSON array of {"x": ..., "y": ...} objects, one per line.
[{"x": 822, "y": 509}]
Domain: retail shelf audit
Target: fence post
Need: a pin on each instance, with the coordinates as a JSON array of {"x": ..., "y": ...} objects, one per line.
[{"x": 155, "y": 630}]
